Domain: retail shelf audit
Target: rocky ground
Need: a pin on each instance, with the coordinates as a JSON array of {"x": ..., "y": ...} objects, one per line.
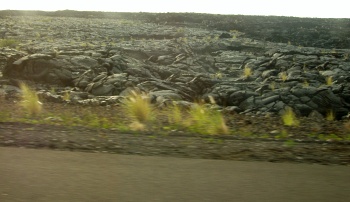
[{"x": 253, "y": 67}]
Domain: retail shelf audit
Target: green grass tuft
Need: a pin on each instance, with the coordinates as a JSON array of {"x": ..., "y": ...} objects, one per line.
[
  {"x": 30, "y": 101},
  {"x": 66, "y": 96},
  {"x": 247, "y": 72},
  {"x": 8, "y": 43},
  {"x": 138, "y": 108},
  {"x": 175, "y": 116},
  {"x": 330, "y": 115},
  {"x": 329, "y": 80},
  {"x": 289, "y": 117},
  {"x": 283, "y": 76},
  {"x": 206, "y": 121}
]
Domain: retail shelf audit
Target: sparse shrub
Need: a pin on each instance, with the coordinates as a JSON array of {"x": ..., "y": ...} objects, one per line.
[
  {"x": 93, "y": 120},
  {"x": 329, "y": 137},
  {"x": 180, "y": 31},
  {"x": 234, "y": 33},
  {"x": 206, "y": 121},
  {"x": 8, "y": 43},
  {"x": 52, "y": 90},
  {"x": 37, "y": 34},
  {"x": 282, "y": 135},
  {"x": 247, "y": 72},
  {"x": 283, "y": 76},
  {"x": 329, "y": 80},
  {"x": 175, "y": 115},
  {"x": 208, "y": 39},
  {"x": 66, "y": 96},
  {"x": 346, "y": 56},
  {"x": 198, "y": 118},
  {"x": 218, "y": 75},
  {"x": 289, "y": 143},
  {"x": 56, "y": 53},
  {"x": 139, "y": 109},
  {"x": 330, "y": 115},
  {"x": 289, "y": 118},
  {"x": 30, "y": 101},
  {"x": 346, "y": 126}
]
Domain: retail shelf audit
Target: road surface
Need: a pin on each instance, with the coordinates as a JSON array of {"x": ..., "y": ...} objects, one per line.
[{"x": 32, "y": 175}]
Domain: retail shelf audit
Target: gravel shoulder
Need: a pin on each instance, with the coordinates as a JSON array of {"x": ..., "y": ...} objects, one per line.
[{"x": 172, "y": 145}]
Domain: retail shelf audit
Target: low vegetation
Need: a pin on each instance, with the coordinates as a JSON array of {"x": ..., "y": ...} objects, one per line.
[
  {"x": 30, "y": 101},
  {"x": 138, "y": 108},
  {"x": 247, "y": 72},
  {"x": 8, "y": 43},
  {"x": 329, "y": 81},
  {"x": 175, "y": 116},
  {"x": 136, "y": 113},
  {"x": 330, "y": 115},
  {"x": 204, "y": 120},
  {"x": 284, "y": 76},
  {"x": 289, "y": 118}
]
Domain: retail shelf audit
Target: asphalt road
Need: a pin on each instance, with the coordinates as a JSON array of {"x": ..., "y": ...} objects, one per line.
[{"x": 31, "y": 175}]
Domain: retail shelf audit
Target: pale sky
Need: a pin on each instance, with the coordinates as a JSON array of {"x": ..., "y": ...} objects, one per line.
[{"x": 298, "y": 8}]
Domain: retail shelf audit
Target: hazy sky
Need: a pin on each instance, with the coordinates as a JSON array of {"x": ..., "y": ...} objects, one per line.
[{"x": 300, "y": 8}]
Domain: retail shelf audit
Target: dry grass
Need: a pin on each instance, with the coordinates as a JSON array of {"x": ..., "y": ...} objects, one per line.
[
  {"x": 289, "y": 117},
  {"x": 329, "y": 81},
  {"x": 283, "y": 76},
  {"x": 247, "y": 72},
  {"x": 330, "y": 115},
  {"x": 138, "y": 108},
  {"x": 175, "y": 116},
  {"x": 199, "y": 120},
  {"x": 66, "y": 96},
  {"x": 30, "y": 101},
  {"x": 206, "y": 121},
  {"x": 8, "y": 43}
]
